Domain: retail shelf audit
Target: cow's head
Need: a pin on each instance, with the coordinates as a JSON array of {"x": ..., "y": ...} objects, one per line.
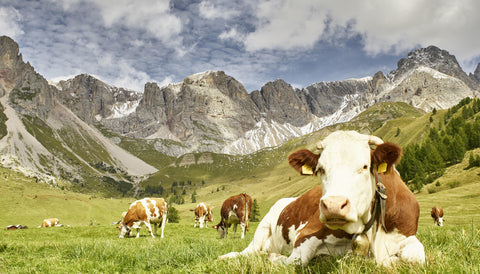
[
  {"x": 124, "y": 230},
  {"x": 222, "y": 230},
  {"x": 345, "y": 166}
]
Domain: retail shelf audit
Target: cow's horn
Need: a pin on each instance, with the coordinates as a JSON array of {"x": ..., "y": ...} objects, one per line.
[
  {"x": 320, "y": 146},
  {"x": 374, "y": 140}
]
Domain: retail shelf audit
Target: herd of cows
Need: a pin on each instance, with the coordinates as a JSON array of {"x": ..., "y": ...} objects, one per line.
[{"x": 361, "y": 206}]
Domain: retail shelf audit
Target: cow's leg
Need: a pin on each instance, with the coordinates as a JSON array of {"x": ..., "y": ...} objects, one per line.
[
  {"x": 201, "y": 220},
  {"x": 149, "y": 227},
  {"x": 393, "y": 246},
  {"x": 243, "y": 226},
  {"x": 164, "y": 222},
  {"x": 234, "y": 230},
  {"x": 155, "y": 228},
  {"x": 138, "y": 232},
  {"x": 411, "y": 250}
]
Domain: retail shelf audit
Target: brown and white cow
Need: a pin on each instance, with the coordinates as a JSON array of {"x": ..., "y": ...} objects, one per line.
[
  {"x": 50, "y": 222},
  {"x": 145, "y": 211},
  {"x": 344, "y": 212},
  {"x": 203, "y": 214},
  {"x": 15, "y": 227},
  {"x": 437, "y": 215},
  {"x": 235, "y": 210}
]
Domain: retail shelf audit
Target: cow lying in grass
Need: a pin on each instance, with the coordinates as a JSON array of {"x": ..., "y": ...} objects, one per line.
[{"x": 361, "y": 204}]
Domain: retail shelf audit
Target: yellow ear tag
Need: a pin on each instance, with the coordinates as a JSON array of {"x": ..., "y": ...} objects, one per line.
[
  {"x": 382, "y": 167},
  {"x": 307, "y": 170}
]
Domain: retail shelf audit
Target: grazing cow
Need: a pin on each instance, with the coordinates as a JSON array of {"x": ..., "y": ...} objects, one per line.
[
  {"x": 146, "y": 211},
  {"x": 235, "y": 210},
  {"x": 361, "y": 205},
  {"x": 50, "y": 222},
  {"x": 15, "y": 227},
  {"x": 203, "y": 214},
  {"x": 437, "y": 215}
]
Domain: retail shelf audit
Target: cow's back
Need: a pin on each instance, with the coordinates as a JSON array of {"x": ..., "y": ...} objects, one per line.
[{"x": 201, "y": 210}]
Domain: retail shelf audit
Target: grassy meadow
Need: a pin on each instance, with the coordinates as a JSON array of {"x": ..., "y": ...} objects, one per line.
[
  {"x": 91, "y": 243},
  {"x": 450, "y": 249}
]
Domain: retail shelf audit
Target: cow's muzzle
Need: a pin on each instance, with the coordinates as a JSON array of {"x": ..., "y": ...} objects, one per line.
[{"x": 334, "y": 210}]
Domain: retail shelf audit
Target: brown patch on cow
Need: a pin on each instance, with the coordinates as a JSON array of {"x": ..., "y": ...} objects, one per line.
[
  {"x": 200, "y": 211},
  {"x": 303, "y": 157},
  {"x": 389, "y": 153},
  {"x": 305, "y": 209},
  {"x": 401, "y": 207},
  {"x": 436, "y": 212}
]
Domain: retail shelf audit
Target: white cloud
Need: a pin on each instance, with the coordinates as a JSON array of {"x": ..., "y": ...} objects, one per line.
[
  {"x": 286, "y": 24},
  {"x": 9, "y": 22},
  {"x": 386, "y": 26},
  {"x": 153, "y": 16},
  {"x": 209, "y": 11},
  {"x": 232, "y": 34}
]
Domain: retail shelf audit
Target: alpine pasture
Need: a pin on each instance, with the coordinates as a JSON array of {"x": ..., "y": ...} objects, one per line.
[{"x": 88, "y": 241}]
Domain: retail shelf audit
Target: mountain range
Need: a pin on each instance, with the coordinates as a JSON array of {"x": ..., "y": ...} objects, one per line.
[{"x": 74, "y": 129}]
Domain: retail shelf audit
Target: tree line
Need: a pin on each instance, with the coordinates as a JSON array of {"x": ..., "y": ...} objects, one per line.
[{"x": 445, "y": 145}]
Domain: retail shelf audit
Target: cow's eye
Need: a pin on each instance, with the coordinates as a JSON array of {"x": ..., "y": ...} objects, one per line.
[
  {"x": 320, "y": 171},
  {"x": 365, "y": 167}
]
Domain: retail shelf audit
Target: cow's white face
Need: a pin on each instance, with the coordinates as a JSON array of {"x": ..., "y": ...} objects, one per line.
[
  {"x": 348, "y": 186},
  {"x": 124, "y": 230},
  {"x": 440, "y": 221},
  {"x": 222, "y": 231}
]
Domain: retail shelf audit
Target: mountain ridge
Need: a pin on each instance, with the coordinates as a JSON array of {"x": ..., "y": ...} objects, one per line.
[{"x": 207, "y": 112}]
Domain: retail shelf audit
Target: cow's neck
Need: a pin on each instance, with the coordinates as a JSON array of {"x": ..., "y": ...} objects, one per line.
[{"x": 378, "y": 204}]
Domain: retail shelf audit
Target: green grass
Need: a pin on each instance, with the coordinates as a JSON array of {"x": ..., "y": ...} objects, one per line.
[
  {"x": 450, "y": 249},
  {"x": 91, "y": 244}
]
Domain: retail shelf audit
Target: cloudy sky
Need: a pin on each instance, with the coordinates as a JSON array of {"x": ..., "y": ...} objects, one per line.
[{"x": 127, "y": 43}]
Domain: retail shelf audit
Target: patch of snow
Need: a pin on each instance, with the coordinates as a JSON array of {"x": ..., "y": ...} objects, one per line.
[
  {"x": 123, "y": 109},
  {"x": 271, "y": 134}
]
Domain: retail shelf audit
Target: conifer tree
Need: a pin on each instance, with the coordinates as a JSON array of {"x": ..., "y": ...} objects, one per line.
[{"x": 254, "y": 217}]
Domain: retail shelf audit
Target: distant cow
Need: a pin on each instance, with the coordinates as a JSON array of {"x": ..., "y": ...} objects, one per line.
[
  {"x": 361, "y": 205},
  {"x": 437, "y": 215},
  {"x": 203, "y": 214},
  {"x": 15, "y": 227},
  {"x": 235, "y": 210},
  {"x": 50, "y": 222},
  {"x": 146, "y": 211}
]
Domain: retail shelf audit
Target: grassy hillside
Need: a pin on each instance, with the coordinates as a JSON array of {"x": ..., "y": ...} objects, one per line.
[
  {"x": 264, "y": 175},
  {"x": 91, "y": 242}
]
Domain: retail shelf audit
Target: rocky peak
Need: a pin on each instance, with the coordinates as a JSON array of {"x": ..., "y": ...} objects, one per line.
[
  {"x": 282, "y": 103},
  {"x": 435, "y": 58},
  {"x": 9, "y": 57},
  {"x": 476, "y": 75},
  {"x": 93, "y": 100}
]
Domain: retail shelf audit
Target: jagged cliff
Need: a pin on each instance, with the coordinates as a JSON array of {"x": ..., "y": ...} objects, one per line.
[
  {"x": 212, "y": 111},
  {"x": 45, "y": 138}
]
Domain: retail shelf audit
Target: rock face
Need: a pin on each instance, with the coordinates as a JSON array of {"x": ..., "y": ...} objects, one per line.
[
  {"x": 92, "y": 100},
  {"x": 45, "y": 139},
  {"x": 212, "y": 111}
]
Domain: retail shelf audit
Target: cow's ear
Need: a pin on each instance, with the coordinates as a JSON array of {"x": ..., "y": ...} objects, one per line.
[
  {"x": 388, "y": 153},
  {"x": 304, "y": 161}
]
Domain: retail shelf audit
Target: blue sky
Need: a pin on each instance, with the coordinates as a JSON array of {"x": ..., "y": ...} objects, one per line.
[{"x": 127, "y": 43}]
